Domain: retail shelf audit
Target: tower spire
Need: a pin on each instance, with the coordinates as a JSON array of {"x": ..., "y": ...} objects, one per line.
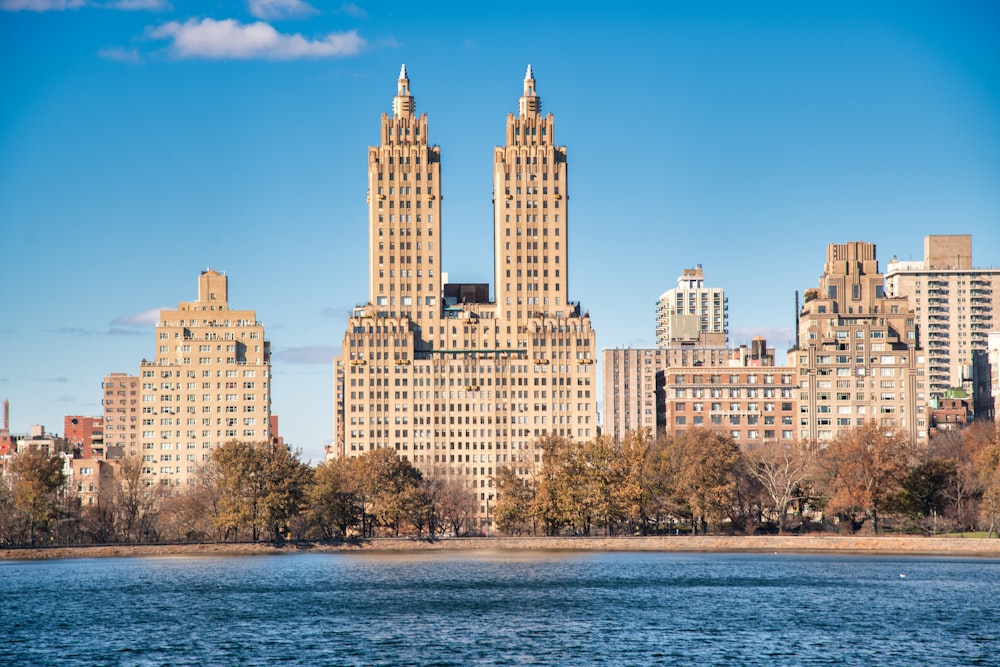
[
  {"x": 530, "y": 103},
  {"x": 402, "y": 103}
]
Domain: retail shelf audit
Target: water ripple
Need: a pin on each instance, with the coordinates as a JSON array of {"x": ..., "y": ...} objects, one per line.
[{"x": 499, "y": 609}]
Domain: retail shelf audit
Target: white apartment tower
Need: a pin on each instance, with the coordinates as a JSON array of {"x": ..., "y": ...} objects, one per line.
[{"x": 691, "y": 311}]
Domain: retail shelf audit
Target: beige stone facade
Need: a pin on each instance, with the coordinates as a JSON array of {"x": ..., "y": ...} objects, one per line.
[
  {"x": 457, "y": 384},
  {"x": 91, "y": 480},
  {"x": 121, "y": 414},
  {"x": 955, "y": 307},
  {"x": 857, "y": 354},
  {"x": 209, "y": 382},
  {"x": 404, "y": 221},
  {"x": 632, "y": 380}
]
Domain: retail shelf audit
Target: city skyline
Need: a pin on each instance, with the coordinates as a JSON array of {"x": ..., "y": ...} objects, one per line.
[{"x": 150, "y": 145}]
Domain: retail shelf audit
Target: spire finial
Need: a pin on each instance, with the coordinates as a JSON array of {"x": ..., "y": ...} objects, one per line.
[
  {"x": 530, "y": 104},
  {"x": 402, "y": 104}
]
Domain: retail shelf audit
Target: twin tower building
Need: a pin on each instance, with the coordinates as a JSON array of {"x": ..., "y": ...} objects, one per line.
[{"x": 457, "y": 383}]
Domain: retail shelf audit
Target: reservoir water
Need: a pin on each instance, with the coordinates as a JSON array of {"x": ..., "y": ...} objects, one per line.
[{"x": 502, "y": 608}]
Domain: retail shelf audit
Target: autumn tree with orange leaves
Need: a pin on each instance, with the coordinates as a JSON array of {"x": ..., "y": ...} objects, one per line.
[{"x": 865, "y": 468}]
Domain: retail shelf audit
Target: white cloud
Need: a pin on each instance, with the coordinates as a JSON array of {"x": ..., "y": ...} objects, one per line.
[
  {"x": 271, "y": 10},
  {"x": 225, "y": 39},
  {"x": 146, "y": 318},
  {"x": 40, "y": 5}
]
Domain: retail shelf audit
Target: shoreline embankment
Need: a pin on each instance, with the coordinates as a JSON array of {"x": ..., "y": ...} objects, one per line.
[{"x": 856, "y": 545}]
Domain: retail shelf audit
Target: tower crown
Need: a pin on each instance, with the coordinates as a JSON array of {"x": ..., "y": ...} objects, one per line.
[
  {"x": 402, "y": 103},
  {"x": 530, "y": 104}
]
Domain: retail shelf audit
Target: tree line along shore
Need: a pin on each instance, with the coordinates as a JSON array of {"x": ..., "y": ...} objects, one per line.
[{"x": 868, "y": 481}]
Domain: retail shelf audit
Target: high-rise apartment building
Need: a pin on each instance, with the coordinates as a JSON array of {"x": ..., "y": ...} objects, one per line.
[
  {"x": 857, "y": 354},
  {"x": 404, "y": 222},
  {"x": 632, "y": 383},
  {"x": 457, "y": 384},
  {"x": 955, "y": 306},
  {"x": 121, "y": 415},
  {"x": 691, "y": 310},
  {"x": 530, "y": 223},
  {"x": 209, "y": 383}
]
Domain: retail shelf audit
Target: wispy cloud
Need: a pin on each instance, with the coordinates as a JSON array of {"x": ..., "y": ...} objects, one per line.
[
  {"x": 135, "y": 5},
  {"x": 120, "y": 54},
  {"x": 308, "y": 354},
  {"x": 124, "y": 325},
  {"x": 73, "y": 331},
  {"x": 352, "y": 9},
  {"x": 337, "y": 312},
  {"x": 146, "y": 318},
  {"x": 40, "y": 5},
  {"x": 230, "y": 39},
  {"x": 63, "y": 5},
  {"x": 272, "y": 10},
  {"x": 59, "y": 379}
]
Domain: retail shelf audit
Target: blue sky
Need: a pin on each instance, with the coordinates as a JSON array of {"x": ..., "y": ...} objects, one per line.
[{"x": 142, "y": 141}]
